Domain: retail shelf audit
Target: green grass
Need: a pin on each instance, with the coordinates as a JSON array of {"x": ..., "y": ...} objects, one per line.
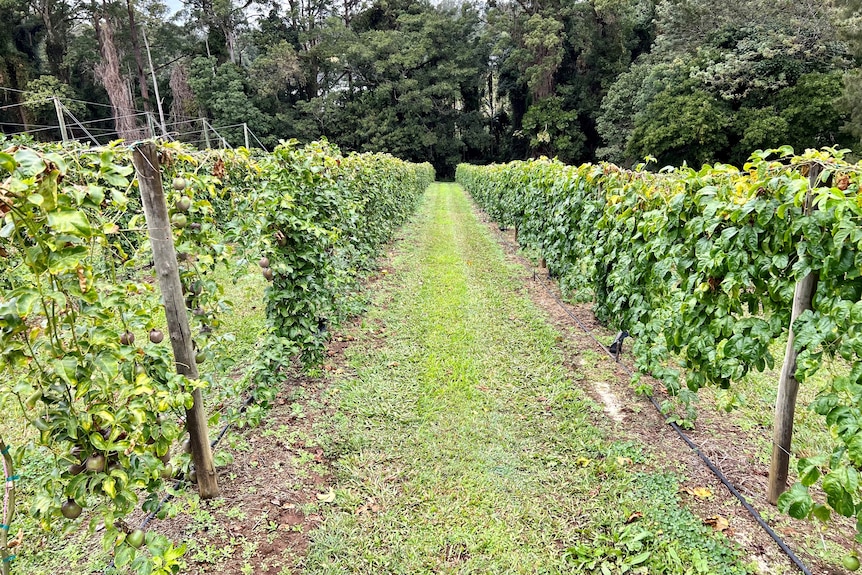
[{"x": 465, "y": 446}]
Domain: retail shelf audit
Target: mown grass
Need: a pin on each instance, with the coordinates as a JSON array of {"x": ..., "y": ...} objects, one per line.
[{"x": 464, "y": 445}]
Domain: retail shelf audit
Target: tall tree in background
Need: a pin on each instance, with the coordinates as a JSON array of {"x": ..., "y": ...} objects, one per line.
[
  {"x": 724, "y": 79},
  {"x": 108, "y": 73},
  {"x": 134, "y": 36},
  {"x": 684, "y": 80},
  {"x": 555, "y": 62}
]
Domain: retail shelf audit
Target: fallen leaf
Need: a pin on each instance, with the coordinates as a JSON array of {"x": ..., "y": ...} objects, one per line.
[
  {"x": 583, "y": 461},
  {"x": 699, "y": 492},
  {"x": 17, "y": 540},
  {"x": 718, "y": 523},
  {"x": 328, "y": 497},
  {"x": 634, "y": 517},
  {"x": 624, "y": 461}
]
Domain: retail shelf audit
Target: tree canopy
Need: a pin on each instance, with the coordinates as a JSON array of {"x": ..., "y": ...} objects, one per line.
[{"x": 681, "y": 80}]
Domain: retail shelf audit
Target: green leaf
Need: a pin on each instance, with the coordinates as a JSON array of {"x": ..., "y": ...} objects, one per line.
[
  {"x": 640, "y": 558},
  {"x": 142, "y": 565},
  {"x": 808, "y": 474},
  {"x": 119, "y": 198},
  {"x": 66, "y": 368},
  {"x": 123, "y": 556},
  {"x": 116, "y": 180},
  {"x": 7, "y": 162},
  {"x": 70, "y": 222},
  {"x": 796, "y": 502},
  {"x": 109, "y": 486},
  {"x": 29, "y": 162},
  {"x": 66, "y": 259},
  {"x": 97, "y": 441},
  {"x": 840, "y": 485},
  {"x": 821, "y": 512}
]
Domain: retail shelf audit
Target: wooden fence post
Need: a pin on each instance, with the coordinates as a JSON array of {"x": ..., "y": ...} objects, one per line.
[
  {"x": 785, "y": 404},
  {"x": 145, "y": 159}
]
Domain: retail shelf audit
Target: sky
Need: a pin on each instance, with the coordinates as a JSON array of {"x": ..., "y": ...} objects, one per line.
[{"x": 173, "y": 5}]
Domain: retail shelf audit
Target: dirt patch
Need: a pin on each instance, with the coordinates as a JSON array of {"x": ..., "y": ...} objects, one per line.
[
  {"x": 720, "y": 438},
  {"x": 610, "y": 401},
  {"x": 270, "y": 492}
]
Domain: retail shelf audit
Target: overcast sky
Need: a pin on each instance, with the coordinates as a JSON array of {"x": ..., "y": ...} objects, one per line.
[{"x": 174, "y": 5}]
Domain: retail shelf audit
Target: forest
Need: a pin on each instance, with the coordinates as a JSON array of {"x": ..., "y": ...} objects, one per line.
[{"x": 680, "y": 80}]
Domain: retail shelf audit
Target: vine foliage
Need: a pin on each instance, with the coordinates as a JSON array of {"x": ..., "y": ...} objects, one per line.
[
  {"x": 84, "y": 360},
  {"x": 699, "y": 265}
]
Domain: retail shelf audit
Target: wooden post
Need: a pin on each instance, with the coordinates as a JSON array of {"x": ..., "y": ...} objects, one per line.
[
  {"x": 146, "y": 164},
  {"x": 61, "y": 119},
  {"x": 785, "y": 404},
  {"x": 245, "y": 135},
  {"x": 206, "y": 134}
]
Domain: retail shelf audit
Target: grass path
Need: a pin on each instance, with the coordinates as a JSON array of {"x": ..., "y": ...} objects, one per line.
[{"x": 463, "y": 445}]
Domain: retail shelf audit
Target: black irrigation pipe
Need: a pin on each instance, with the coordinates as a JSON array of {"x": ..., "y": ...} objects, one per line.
[
  {"x": 180, "y": 482},
  {"x": 707, "y": 461}
]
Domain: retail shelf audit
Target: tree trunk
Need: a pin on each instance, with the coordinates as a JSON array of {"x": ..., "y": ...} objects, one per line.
[
  {"x": 55, "y": 40},
  {"x": 183, "y": 107},
  {"x": 108, "y": 73},
  {"x": 139, "y": 59}
]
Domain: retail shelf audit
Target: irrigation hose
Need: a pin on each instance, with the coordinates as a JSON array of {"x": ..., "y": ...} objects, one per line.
[{"x": 693, "y": 446}]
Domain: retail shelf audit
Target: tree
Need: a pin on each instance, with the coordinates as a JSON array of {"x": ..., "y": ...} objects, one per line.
[{"x": 759, "y": 70}]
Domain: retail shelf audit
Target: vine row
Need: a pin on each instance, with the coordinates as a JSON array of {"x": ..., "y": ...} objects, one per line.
[
  {"x": 699, "y": 265},
  {"x": 84, "y": 359}
]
